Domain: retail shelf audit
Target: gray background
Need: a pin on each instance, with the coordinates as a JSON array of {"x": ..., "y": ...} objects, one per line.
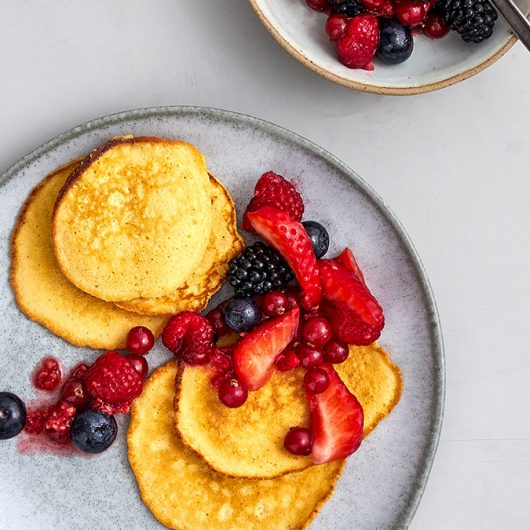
[{"x": 452, "y": 165}]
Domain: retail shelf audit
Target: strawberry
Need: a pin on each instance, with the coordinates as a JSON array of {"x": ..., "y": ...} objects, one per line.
[
  {"x": 357, "y": 47},
  {"x": 290, "y": 239},
  {"x": 113, "y": 379},
  {"x": 255, "y": 353},
  {"x": 355, "y": 315},
  {"x": 273, "y": 190},
  {"x": 348, "y": 261},
  {"x": 336, "y": 420}
]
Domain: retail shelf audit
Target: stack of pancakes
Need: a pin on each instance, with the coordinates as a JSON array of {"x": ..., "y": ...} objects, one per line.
[
  {"x": 200, "y": 465},
  {"x": 136, "y": 231}
]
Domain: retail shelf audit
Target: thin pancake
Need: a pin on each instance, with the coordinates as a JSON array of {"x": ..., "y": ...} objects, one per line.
[
  {"x": 248, "y": 441},
  {"x": 225, "y": 243},
  {"x": 44, "y": 294},
  {"x": 184, "y": 494},
  {"x": 134, "y": 218}
]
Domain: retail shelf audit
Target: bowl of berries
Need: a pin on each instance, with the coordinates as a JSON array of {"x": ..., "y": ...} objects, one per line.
[{"x": 396, "y": 47}]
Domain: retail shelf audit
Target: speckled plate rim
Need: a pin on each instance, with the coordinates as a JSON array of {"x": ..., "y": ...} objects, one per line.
[
  {"x": 425, "y": 466},
  {"x": 381, "y": 90}
]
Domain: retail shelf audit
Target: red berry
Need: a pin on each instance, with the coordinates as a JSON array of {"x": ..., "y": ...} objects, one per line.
[
  {"x": 57, "y": 424},
  {"x": 336, "y": 420},
  {"x": 48, "y": 375},
  {"x": 139, "y": 363},
  {"x": 221, "y": 359},
  {"x": 410, "y": 13},
  {"x": 316, "y": 380},
  {"x": 140, "y": 340},
  {"x": 274, "y": 304},
  {"x": 383, "y": 8},
  {"x": 113, "y": 379},
  {"x": 355, "y": 315},
  {"x": 215, "y": 317},
  {"x": 309, "y": 355},
  {"x": 293, "y": 299},
  {"x": 35, "y": 421},
  {"x": 79, "y": 372},
  {"x": 220, "y": 377},
  {"x": 318, "y": 5},
  {"x": 255, "y": 353},
  {"x": 121, "y": 407},
  {"x": 287, "y": 361},
  {"x": 435, "y": 26},
  {"x": 189, "y": 335},
  {"x": 347, "y": 260},
  {"x": 357, "y": 47},
  {"x": 273, "y": 190},
  {"x": 232, "y": 393},
  {"x": 299, "y": 441},
  {"x": 336, "y": 352},
  {"x": 291, "y": 240},
  {"x": 74, "y": 393},
  {"x": 316, "y": 331},
  {"x": 336, "y": 26}
]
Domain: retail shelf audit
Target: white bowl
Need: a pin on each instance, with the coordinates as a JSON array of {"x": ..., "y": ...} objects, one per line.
[{"x": 434, "y": 64}]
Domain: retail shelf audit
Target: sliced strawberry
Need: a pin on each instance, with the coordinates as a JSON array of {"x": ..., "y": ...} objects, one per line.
[
  {"x": 347, "y": 260},
  {"x": 290, "y": 239},
  {"x": 355, "y": 315},
  {"x": 336, "y": 420},
  {"x": 254, "y": 354}
]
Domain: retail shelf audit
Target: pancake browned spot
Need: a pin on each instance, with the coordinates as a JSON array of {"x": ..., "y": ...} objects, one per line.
[
  {"x": 134, "y": 218},
  {"x": 44, "y": 293}
]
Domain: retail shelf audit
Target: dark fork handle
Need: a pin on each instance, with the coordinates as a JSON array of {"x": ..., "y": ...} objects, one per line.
[{"x": 515, "y": 19}]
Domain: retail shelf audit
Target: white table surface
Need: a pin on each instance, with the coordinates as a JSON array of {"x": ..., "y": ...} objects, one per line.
[{"x": 453, "y": 165}]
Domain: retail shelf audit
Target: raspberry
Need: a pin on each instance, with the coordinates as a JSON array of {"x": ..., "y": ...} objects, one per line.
[
  {"x": 48, "y": 375},
  {"x": 122, "y": 407},
  {"x": 113, "y": 379},
  {"x": 383, "y": 8},
  {"x": 221, "y": 359},
  {"x": 273, "y": 190},
  {"x": 79, "y": 372},
  {"x": 348, "y": 325},
  {"x": 359, "y": 44},
  {"x": 191, "y": 336},
  {"x": 57, "y": 424},
  {"x": 35, "y": 421}
]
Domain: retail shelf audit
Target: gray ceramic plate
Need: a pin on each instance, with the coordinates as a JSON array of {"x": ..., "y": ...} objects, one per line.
[{"x": 384, "y": 480}]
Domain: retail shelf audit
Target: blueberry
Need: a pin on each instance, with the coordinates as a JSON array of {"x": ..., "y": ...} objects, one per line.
[
  {"x": 395, "y": 41},
  {"x": 242, "y": 314},
  {"x": 93, "y": 431},
  {"x": 12, "y": 415},
  {"x": 319, "y": 237}
]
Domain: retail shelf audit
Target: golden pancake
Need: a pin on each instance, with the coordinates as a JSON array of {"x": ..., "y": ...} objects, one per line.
[
  {"x": 248, "y": 441},
  {"x": 43, "y": 292},
  {"x": 134, "y": 218},
  {"x": 225, "y": 244},
  {"x": 184, "y": 494}
]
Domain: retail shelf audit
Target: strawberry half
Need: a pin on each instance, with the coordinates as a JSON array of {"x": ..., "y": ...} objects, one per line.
[
  {"x": 355, "y": 315},
  {"x": 348, "y": 261},
  {"x": 336, "y": 420},
  {"x": 254, "y": 354},
  {"x": 290, "y": 239}
]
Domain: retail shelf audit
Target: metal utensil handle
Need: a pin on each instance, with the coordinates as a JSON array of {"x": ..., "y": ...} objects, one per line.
[{"x": 515, "y": 19}]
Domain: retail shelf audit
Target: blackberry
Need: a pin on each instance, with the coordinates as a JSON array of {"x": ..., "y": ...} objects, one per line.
[
  {"x": 258, "y": 270},
  {"x": 350, "y": 8},
  {"x": 472, "y": 19}
]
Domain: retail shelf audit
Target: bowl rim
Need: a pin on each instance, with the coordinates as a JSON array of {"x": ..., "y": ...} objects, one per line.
[{"x": 381, "y": 90}]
